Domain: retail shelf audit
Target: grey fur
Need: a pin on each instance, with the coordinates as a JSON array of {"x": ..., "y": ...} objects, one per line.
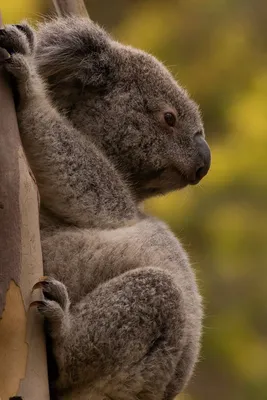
[{"x": 121, "y": 299}]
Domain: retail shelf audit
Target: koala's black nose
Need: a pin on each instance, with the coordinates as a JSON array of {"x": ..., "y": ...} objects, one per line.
[{"x": 203, "y": 160}]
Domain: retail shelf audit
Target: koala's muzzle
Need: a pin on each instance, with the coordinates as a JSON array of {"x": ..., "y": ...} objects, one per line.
[{"x": 203, "y": 160}]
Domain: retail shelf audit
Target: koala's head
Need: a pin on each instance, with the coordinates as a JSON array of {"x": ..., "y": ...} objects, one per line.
[{"x": 128, "y": 103}]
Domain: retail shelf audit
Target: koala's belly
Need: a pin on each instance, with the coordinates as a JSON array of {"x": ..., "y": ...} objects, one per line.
[{"x": 83, "y": 259}]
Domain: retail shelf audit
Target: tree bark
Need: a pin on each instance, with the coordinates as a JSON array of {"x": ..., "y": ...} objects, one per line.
[
  {"x": 71, "y": 7},
  {"x": 23, "y": 366}
]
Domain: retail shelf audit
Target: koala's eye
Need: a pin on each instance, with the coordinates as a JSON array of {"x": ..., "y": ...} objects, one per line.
[{"x": 170, "y": 118}]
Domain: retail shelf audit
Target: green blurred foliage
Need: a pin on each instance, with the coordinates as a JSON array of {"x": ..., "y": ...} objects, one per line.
[{"x": 218, "y": 50}]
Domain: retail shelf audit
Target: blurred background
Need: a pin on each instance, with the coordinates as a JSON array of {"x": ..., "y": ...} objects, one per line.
[{"x": 217, "y": 49}]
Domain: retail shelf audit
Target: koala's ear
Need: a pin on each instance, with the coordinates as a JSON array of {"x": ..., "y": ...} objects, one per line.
[{"x": 76, "y": 50}]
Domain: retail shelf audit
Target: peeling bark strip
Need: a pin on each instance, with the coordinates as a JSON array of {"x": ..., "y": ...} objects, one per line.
[{"x": 23, "y": 369}]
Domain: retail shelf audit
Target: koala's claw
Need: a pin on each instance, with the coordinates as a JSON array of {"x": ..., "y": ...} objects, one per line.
[
  {"x": 42, "y": 281},
  {"x": 28, "y": 31},
  {"x": 4, "y": 55},
  {"x": 37, "y": 303},
  {"x": 55, "y": 306},
  {"x": 53, "y": 291}
]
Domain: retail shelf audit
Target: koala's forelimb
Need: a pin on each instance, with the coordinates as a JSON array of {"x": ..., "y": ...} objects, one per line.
[{"x": 64, "y": 151}]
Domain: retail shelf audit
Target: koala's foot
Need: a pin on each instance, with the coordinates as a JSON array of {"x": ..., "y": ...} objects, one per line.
[
  {"x": 17, "y": 43},
  {"x": 18, "y": 39},
  {"x": 55, "y": 306}
]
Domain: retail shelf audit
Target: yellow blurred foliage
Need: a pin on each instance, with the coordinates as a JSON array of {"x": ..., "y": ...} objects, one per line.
[{"x": 15, "y": 10}]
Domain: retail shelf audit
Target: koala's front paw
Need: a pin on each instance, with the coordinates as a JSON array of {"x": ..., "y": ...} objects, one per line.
[
  {"x": 18, "y": 39},
  {"x": 55, "y": 306},
  {"x": 17, "y": 43}
]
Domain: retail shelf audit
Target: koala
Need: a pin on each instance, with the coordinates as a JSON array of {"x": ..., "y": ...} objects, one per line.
[{"x": 104, "y": 127}]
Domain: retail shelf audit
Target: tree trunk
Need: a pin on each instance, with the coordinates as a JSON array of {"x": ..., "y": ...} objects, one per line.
[
  {"x": 23, "y": 366},
  {"x": 71, "y": 7}
]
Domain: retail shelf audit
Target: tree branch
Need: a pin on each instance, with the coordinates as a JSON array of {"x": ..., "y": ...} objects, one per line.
[
  {"x": 71, "y": 7},
  {"x": 23, "y": 367}
]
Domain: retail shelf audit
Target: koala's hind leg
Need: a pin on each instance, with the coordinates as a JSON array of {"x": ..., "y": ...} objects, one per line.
[{"x": 124, "y": 339}]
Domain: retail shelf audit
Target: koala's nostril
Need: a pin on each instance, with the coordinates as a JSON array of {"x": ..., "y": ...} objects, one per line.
[
  {"x": 201, "y": 172},
  {"x": 198, "y": 174}
]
